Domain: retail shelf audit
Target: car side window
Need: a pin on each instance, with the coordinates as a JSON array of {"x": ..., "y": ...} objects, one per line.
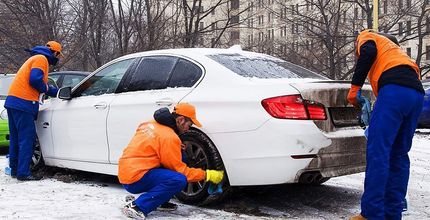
[
  {"x": 185, "y": 74},
  {"x": 56, "y": 78},
  {"x": 152, "y": 73},
  {"x": 105, "y": 81},
  {"x": 71, "y": 80}
]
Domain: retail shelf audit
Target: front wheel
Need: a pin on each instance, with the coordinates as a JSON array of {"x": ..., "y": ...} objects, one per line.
[
  {"x": 200, "y": 152},
  {"x": 37, "y": 158}
]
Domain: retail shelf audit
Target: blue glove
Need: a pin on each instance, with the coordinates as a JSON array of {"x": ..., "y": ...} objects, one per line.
[
  {"x": 214, "y": 189},
  {"x": 365, "y": 110},
  {"x": 52, "y": 91}
]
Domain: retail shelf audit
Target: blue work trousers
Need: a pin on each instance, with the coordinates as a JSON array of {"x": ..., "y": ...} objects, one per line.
[
  {"x": 158, "y": 186},
  {"x": 21, "y": 144},
  {"x": 392, "y": 127}
]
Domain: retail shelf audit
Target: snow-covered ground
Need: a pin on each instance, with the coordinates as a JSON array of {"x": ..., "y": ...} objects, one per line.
[{"x": 336, "y": 199}]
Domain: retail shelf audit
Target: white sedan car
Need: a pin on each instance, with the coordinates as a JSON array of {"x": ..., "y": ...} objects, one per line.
[{"x": 265, "y": 120}]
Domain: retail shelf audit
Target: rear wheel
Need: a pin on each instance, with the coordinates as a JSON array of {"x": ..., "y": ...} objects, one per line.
[
  {"x": 37, "y": 158},
  {"x": 200, "y": 152}
]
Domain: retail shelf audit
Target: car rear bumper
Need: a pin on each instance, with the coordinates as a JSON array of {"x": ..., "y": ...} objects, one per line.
[
  {"x": 346, "y": 155},
  {"x": 280, "y": 151}
]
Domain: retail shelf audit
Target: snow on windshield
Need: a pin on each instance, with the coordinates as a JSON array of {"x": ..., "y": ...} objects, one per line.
[{"x": 263, "y": 67}]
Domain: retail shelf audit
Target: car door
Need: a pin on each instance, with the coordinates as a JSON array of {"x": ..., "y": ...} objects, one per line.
[
  {"x": 158, "y": 81},
  {"x": 79, "y": 124}
]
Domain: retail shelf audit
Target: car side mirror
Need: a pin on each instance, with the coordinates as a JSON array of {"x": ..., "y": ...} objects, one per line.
[{"x": 65, "y": 93}]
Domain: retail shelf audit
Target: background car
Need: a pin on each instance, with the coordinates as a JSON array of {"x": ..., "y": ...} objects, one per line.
[
  {"x": 68, "y": 78},
  {"x": 424, "y": 119},
  {"x": 265, "y": 120},
  {"x": 5, "y": 81}
]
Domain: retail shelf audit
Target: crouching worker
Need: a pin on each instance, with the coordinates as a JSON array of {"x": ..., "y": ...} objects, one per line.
[{"x": 152, "y": 162}]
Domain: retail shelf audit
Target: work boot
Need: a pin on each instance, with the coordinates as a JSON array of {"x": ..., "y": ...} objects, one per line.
[
  {"x": 167, "y": 206},
  {"x": 129, "y": 198},
  {"x": 132, "y": 211},
  {"x": 358, "y": 217},
  {"x": 29, "y": 178}
]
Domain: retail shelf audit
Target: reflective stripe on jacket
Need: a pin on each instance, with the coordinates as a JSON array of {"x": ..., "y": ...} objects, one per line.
[
  {"x": 389, "y": 55},
  {"x": 21, "y": 87},
  {"x": 154, "y": 145}
]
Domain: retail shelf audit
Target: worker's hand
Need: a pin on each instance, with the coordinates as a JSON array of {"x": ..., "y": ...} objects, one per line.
[
  {"x": 214, "y": 176},
  {"x": 354, "y": 95}
]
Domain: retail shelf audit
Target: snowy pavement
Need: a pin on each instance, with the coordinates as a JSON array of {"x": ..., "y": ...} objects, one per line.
[{"x": 336, "y": 199}]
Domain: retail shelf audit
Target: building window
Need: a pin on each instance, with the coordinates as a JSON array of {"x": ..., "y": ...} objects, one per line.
[
  {"x": 292, "y": 9},
  {"x": 385, "y": 6},
  {"x": 293, "y": 28},
  {"x": 284, "y": 12},
  {"x": 408, "y": 51},
  {"x": 428, "y": 23},
  {"x": 213, "y": 26},
  {"x": 355, "y": 13},
  {"x": 201, "y": 25},
  {"x": 234, "y": 4},
  {"x": 269, "y": 17},
  {"x": 427, "y": 53},
  {"x": 213, "y": 11},
  {"x": 250, "y": 40},
  {"x": 234, "y": 35},
  {"x": 235, "y": 19},
  {"x": 408, "y": 27},
  {"x": 260, "y": 19},
  {"x": 408, "y": 3},
  {"x": 260, "y": 36},
  {"x": 400, "y": 28},
  {"x": 250, "y": 22}
]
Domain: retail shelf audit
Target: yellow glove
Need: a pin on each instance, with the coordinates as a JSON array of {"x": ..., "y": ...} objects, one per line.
[{"x": 214, "y": 176}]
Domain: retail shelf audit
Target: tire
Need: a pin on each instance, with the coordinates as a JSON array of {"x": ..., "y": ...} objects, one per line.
[
  {"x": 200, "y": 152},
  {"x": 37, "y": 158}
]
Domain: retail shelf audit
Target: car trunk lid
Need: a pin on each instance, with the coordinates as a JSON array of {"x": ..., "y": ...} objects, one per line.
[{"x": 332, "y": 94}]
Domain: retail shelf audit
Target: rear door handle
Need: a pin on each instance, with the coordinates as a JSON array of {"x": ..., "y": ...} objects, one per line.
[
  {"x": 101, "y": 105},
  {"x": 164, "y": 102}
]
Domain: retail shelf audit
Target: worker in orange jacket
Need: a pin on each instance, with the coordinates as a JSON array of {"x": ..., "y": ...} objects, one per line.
[
  {"x": 395, "y": 80},
  {"x": 152, "y": 162},
  {"x": 22, "y": 104}
]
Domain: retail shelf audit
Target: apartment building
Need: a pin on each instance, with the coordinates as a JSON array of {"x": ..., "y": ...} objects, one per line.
[{"x": 295, "y": 29}]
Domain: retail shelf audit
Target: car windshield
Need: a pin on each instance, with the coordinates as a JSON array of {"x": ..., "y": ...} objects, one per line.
[
  {"x": 5, "y": 82},
  {"x": 263, "y": 67}
]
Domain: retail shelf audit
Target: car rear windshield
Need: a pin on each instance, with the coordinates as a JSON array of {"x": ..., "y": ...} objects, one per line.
[
  {"x": 4, "y": 86},
  {"x": 263, "y": 67}
]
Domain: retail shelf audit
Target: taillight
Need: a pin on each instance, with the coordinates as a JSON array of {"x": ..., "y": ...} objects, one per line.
[{"x": 294, "y": 107}]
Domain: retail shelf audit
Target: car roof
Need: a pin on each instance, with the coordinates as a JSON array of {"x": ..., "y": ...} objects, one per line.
[
  {"x": 84, "y": 73},
  {"x": 191, "y": 53}
]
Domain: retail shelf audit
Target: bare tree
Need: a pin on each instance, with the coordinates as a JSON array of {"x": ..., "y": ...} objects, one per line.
[
  {"x": 26, "y": 23},
  {"x": 321, "y": 36}
]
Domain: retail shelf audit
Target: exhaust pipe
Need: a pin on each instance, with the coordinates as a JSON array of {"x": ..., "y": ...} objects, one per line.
[{"x": 313, "y": 177}]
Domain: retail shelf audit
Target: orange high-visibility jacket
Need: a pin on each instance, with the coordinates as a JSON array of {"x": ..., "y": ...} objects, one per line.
[
  {"x": 154, "y": 145},
  {"x": 20, "y": 86},
  {"x": 389, "y": 55}
]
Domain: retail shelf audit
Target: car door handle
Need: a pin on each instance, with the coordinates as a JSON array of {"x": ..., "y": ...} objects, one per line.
[
  {"x": 101, "y": 105},
  {"x": 164, "y": 102},
  {"x": 45, "y": 125}
]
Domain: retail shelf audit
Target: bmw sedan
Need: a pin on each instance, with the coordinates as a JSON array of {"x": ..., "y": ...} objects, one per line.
[{"x": 265, "y": 120}]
